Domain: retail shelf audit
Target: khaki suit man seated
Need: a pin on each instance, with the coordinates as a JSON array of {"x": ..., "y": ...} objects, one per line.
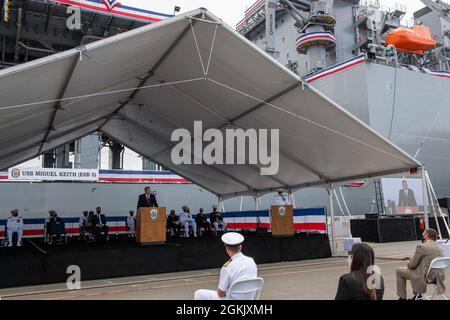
[{"x": 418, "y": 266}]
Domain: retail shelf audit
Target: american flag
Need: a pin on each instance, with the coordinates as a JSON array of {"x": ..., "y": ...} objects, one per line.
[{"x": 110, "y": 4}]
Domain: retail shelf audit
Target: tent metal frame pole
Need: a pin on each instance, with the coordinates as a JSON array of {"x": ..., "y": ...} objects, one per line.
[
  {"x": 233, "y": 122},
  {"x": 291, "y": 197},
  {"x": 241, "y": 203},
  {"x": 342, "y": 211},
  {"x": 345, "y": 202},
  {"x": 333, "y": 239},
  {"x": 174, "y": 170},
  {"x": 322, "y": 182},
  {"x": 55, "y": 147},
  {"x": 171, "y": 145},
  {"x": 261, "y": 104},
  {"x": 57, "y": 136},
  {"x": 150, "y": 73},
  {"x": 219, "y": 202},
  {"x": 433, "y": 208},
  {"x": 43, "y": 131},
  {"x": 436, "y": 202},
  {"x": 61, "y": 94},
  {"x": 425, "y": 198}
]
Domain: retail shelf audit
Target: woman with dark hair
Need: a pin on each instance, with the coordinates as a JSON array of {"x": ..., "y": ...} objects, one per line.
[{"x": 363, "y": 282}]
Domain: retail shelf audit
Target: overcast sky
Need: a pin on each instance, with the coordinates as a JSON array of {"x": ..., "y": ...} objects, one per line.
[{"x": 230, "y": 11}]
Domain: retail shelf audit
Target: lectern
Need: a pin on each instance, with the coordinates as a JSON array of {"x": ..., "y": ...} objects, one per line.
[
  {"x": 282, "y": 220},
  {"x": 151, "y": 225}
]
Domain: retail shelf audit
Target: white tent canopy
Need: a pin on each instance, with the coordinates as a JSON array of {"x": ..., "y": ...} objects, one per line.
[{"x": 138, "y": 86}]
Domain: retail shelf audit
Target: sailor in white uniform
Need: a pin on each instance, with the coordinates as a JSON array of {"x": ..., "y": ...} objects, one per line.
[
  {"x": 187, "y": 220},
  {"x": 14, "y": 225},
  {"x": 131, "y": 224},
  {"x": 239, "y": 267},
  {"x": 280, "y": 199}
]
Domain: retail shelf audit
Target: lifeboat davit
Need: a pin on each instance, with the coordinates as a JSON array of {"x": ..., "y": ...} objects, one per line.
[{"x": 416, "y": 40}]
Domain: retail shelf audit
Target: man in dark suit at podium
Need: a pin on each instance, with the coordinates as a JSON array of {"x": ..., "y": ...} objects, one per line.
[
  {"x": 406, "y": 197},
  {"x": 147, "y": 200}
]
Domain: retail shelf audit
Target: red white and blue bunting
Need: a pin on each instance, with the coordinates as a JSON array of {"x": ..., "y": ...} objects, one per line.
[
  {"x": 306, "y": 40},
  {"x": 116, "y": 8},
  {"x": 442, "y": 74},
  {"x": 335, "y": 69}
]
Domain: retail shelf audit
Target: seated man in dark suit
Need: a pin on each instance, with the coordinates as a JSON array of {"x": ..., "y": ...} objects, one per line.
[
  {"x": 217, "y": 222},
  {"x": 202, "y": 222},
  {"x": 173, "y": 224},
  {"x": 100, "y": 227},
  {"x": 55, "y": 227},
  {"x": 147, "y": 200}
]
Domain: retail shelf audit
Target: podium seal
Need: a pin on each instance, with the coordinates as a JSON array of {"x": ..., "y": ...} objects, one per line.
[
  {"x": 282, "y": 211},
  {"x": 154, "y": 214}
]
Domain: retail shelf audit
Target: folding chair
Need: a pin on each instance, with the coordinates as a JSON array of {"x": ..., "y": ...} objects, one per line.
[
  {"x": 438, "y": 263},
  {"x": 57, "y": 229},
  {"x": 246, "y": 286}
]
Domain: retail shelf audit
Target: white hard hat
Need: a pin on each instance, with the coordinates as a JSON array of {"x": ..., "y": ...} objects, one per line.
[{"x": 232, "y": 238}]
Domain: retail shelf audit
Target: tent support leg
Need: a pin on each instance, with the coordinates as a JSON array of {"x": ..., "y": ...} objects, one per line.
[
  {"x": 293, "y": 200},
  {"x": 291, "y": 197},
  {"x": 241, "y": 204},
  {"x": 256, "y": 197},
  {"x": 220, "y": 203},
  {"x": 425, "y": 198},
  {"x": 434, "y": 211},
  {"x": 342, "y": 211},
  {"x": 435, "y": 201},
  {"x": 345, "y": 202},
  {"x": 333, "y": 239}
]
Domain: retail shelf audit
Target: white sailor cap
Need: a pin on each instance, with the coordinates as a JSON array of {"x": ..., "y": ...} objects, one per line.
[
  {"x": 280, "y": 190},
  {"x": 232, "y": 238}
]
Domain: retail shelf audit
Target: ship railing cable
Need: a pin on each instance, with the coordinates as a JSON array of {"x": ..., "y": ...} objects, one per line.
[
  {"x": 445, "y": 96},
  {"x": 394, "y": 100}
]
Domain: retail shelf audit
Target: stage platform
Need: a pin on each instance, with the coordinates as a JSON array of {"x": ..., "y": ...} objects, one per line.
[
  {"x": 392, "y": 228},
  {"x": 122, "y": 257}
]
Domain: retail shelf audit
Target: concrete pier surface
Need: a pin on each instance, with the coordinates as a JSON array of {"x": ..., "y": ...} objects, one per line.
[{"x": 300, "y": 280}]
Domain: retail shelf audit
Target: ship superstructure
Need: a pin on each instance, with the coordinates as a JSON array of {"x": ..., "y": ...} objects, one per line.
[{"x": 392, "y": 76}]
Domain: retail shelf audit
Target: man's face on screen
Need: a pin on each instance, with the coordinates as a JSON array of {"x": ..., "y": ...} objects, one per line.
[{"x": 405, "y": 184}]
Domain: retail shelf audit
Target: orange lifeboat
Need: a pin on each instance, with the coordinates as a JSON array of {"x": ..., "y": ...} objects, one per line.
[{"x": 416, "y": 40}]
